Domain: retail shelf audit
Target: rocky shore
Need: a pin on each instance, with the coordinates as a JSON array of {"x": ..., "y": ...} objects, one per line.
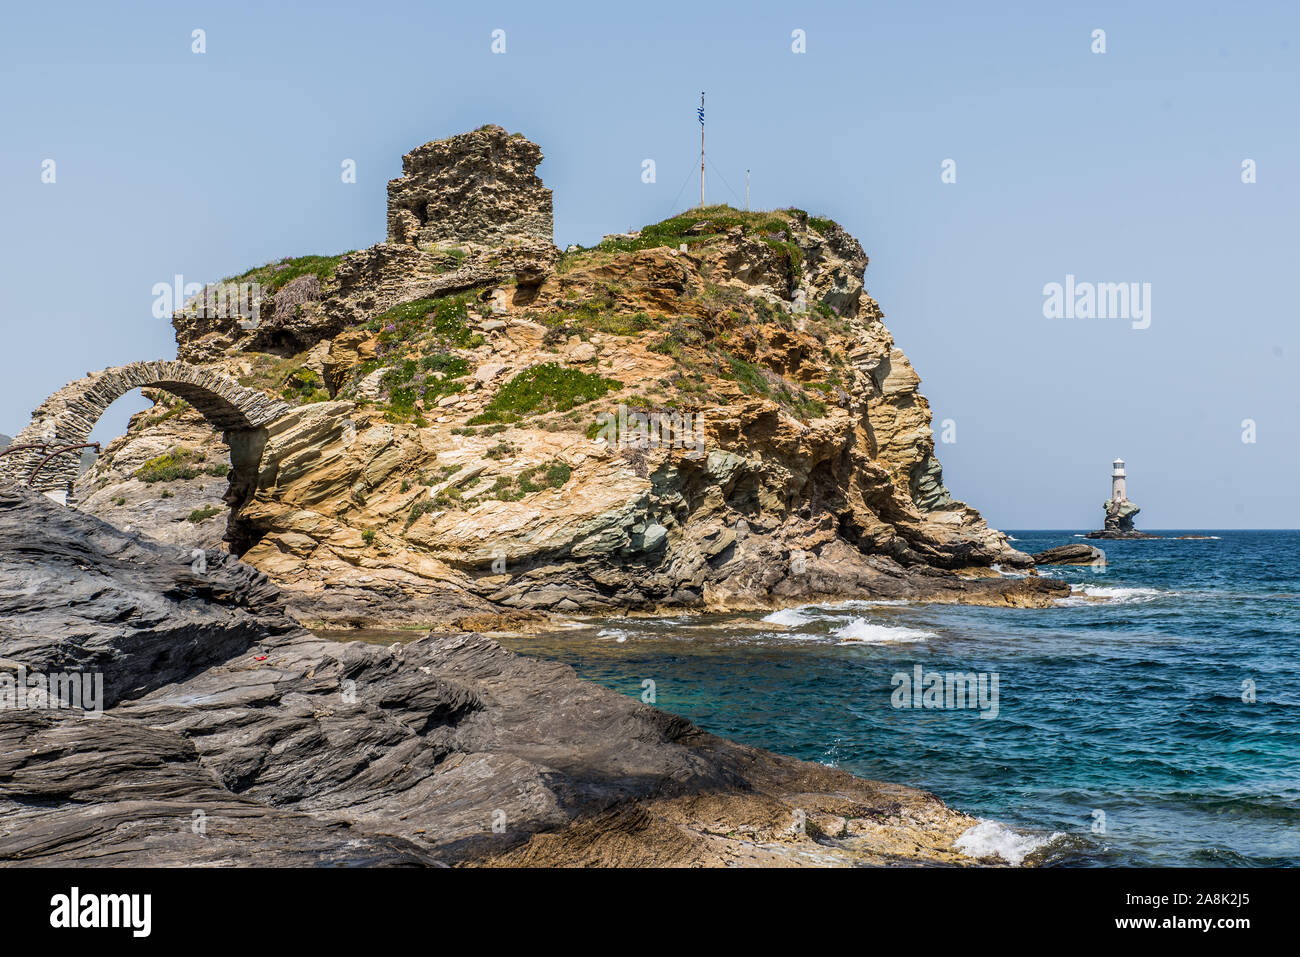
[
  {"x": 231, "y": 736},
  {"x": 1074, "y": 554}
]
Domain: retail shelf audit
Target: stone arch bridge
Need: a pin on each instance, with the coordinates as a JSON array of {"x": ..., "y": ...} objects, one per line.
[{"x": 67, "y": 417}]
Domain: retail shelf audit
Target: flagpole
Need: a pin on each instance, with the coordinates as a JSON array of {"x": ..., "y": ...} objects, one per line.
[
  {"x": 701, "y": 149},
  {"x": 746, "y": 190}
]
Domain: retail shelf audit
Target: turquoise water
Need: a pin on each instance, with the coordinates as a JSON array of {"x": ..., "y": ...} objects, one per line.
[{"x": 1121, "y": 734}]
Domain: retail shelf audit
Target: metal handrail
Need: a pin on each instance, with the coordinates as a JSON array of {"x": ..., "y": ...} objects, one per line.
[{"x": 43, "y": 446}]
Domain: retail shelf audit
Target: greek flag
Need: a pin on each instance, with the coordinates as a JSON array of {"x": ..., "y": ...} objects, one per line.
[{"x": 701, "y": 112}]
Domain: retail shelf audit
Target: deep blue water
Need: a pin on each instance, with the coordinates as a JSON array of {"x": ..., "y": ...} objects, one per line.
[{"x": 1131, "y": 708}]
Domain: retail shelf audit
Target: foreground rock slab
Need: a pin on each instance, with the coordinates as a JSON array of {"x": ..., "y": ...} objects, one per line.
[{"x": 233, "y": 737}]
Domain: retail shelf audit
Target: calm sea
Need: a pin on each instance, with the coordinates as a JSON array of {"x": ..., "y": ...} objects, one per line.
[{"x": 1158, "y": 726}]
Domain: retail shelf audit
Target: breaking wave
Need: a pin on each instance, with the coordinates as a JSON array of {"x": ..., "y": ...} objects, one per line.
[
  {"x": 861, "y": 630},
  {"x": 788, "y": 617},
  {"x": 1112, "y": 593},
  {"x": 991, "y": 839}
]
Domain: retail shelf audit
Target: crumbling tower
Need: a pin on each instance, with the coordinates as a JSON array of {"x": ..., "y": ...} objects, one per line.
[{"x": 479, "y": 188}]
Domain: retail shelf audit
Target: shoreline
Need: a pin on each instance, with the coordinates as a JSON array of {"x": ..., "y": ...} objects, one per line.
[
  {"x": 988, "y": 589},
  {"x": 450, "y": 749}
]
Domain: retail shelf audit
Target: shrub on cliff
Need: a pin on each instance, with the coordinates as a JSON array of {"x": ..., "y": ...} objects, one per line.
[
  {"x": 169, "y": 466},
  {"x": 304, "y": 386},
  {"x": 203, "y": 514},
  {"x": 425, "y": 381},
  {"x": 274, "y": 275},
  {"x": 548, "y": 387},
  {"x": 437, "y": 322},
  {"x": 698, "y": 225}
]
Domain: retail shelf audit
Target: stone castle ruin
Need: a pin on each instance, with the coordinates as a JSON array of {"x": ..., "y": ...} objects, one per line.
[{"x": 480, "y": 187}]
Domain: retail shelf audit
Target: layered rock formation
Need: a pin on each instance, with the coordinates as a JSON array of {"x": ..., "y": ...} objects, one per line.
[
  {"x": 1119, "y": 521},
  {"x": 457, "y": 385},
  {"x": 230, "y": 736}
]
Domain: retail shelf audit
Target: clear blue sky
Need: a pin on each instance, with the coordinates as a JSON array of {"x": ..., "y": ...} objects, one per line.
[{"x": 1122, "y": 167}]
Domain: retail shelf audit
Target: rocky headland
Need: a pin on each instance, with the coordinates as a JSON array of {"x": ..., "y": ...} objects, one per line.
[
  {"x": 464, "y": 429},
  {"x": 708, "y": 413}
]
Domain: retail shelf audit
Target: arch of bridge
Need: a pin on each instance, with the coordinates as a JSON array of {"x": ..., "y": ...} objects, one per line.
[{"x": 68, "y": 416}]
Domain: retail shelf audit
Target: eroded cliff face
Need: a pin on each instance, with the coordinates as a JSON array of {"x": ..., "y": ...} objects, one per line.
[{"x": 709, "y": 413}]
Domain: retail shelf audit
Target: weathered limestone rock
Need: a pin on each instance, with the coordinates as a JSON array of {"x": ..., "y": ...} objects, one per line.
[{"x": 1120, "y": 515}]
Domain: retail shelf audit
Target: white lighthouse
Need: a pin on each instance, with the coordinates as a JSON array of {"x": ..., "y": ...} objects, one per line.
[{"x": 1118, "y": 492}]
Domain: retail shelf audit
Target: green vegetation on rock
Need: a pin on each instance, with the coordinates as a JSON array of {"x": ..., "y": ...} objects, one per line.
[
  {"x": 303, "y": 386},
  {"x": 170, "y": 466},
  {"x": 429, "y": 323},
  {"x": 273, "y": 275},
  {"x": 599, "y": 313},
  {"x": 417, "y": 343},
  {"x": 553, "y": 474},
  {"x": 203, "y": 514},
  {"x": 548, "y": 387},
  {"x": 698, "y": 225},
  {"x": 170, "y": 406},
  {"x": 421, "y": 506}
]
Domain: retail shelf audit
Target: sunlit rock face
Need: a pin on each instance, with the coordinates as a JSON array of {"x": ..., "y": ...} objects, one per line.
[{"x": 450, "y": 385}]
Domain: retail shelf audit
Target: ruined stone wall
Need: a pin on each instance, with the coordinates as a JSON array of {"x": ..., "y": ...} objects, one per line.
[{"x": 480, "y": 187}]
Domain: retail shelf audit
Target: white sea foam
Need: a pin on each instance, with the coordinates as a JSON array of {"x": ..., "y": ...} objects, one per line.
[
  {"x": 861, "y": 630},
  {"x": 991, "y": 839},
  {"x": 864, "y": 603},
  {"x": 1115, "y": 594},
  {"x": 788, "y": 617},
  {"x": 614, "y": 634}
]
